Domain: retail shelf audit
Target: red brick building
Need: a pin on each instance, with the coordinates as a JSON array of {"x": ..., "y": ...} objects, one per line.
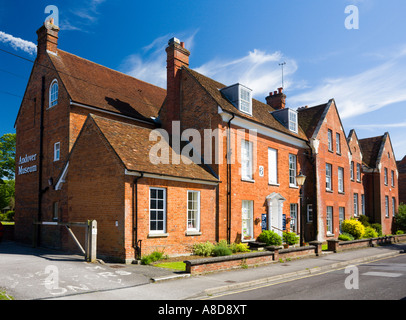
[
  {"x": 402, "y": 180},
  {"x": 164, "y": 169},
  {"x": 380, "y": 180}
]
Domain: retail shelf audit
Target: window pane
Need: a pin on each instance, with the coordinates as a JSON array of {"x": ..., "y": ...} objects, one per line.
[{"x": 273, "y": 165}]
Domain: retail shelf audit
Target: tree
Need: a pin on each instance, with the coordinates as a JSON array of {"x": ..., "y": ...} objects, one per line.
[
  {"x": 7, "y": 194},
  {"x": 7, "y": 156},
  {"x": 400, "y": 218}
]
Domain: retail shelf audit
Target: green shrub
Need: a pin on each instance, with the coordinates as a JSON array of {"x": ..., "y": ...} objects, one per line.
[
  {"x": 378, "y": 228},
  {"x": 364, "y": 220},
  {"x": 370, "y": 233},
  {"x": 271, "y": 238},
  {"x": 353, "y": 227},
  {"x": 345, "y": 237},
  {"x": 239, "y": 247},
  {"x": 290, "y": 238},
  {"x": 8, "y": 216},
  {"x": 221, "y": 250},
  {"x": 400, "y": 218},
  {"x": 203, "y": 249},
  {"x": 151, "y": 258},
  {"x": 400, "y": 232}
]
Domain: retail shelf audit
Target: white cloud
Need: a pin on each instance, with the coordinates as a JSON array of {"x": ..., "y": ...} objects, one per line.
[
  {"x": 151, "y": 65},
  {"x": 258, "y": 70},
  {"x": 364, "y": 92},
  {"x": 18, "y": 43},
  {"x": 80, "y": 18}
]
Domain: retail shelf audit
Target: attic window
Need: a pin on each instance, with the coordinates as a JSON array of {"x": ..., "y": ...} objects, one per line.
[
  {"x": 245, "y": 101},
  {"x": 293, "y": 121},
  {"x": 240, "y": 96},
  {"x": 53, "y": 94}
]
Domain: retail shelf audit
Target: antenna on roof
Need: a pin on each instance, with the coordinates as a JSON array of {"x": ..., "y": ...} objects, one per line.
[{"x": 282, "y": 64}]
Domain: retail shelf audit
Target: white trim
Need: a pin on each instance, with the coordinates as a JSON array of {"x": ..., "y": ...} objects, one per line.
[
  {"x": 193, "y": 230},
  {"x": 169, "y": 178},
  {"x": 55, "y": 81},
  {"x": 57, "y": 151},
  {"x": 62, "y": 178},
  {"x": 72, "y": 103},
  {"x": 157, "y": 232},
  {"x": 261, "y": 129}
]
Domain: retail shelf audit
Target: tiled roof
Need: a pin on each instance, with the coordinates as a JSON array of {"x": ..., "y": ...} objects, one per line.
[
  {"x": 402, "y": 165},
  {"x": 132, "y": 145},
  {"x": 261, "y": 112},
  {"x": 94, "y": 85},
  {"x": 370, "y": 149},
  {"x": 309, "y": 118}
]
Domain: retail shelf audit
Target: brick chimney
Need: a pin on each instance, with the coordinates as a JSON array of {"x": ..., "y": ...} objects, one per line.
[
  {"x": 177, "y": 57},
  {"x": 277, "y": 99},
  {"x": 48, "y": 37}
]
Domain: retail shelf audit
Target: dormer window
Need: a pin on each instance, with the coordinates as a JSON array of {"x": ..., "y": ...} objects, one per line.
[
  {"x": 240, "y": 96},
  {"x": 293, "y": 121},
  {"x": 245, "y": 101},
  {"x": 53, "y": 94},
  {"x": 288, "y": 118}
]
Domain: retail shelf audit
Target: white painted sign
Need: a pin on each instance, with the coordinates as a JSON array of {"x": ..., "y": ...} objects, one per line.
[{"x": 28, "y": 169}]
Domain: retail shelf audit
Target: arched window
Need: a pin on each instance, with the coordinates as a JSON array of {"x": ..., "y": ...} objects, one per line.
[{"x": 53, "y": 94}]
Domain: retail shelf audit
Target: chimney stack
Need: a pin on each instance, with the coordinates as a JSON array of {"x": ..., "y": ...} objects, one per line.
[
  {"x": 177, "y": 57},
  {"x": 48, "y": 37},
  {"x": 277, "y": 99}
]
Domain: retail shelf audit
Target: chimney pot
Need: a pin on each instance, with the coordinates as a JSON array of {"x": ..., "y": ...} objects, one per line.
[{"x": 277, "y": 99}]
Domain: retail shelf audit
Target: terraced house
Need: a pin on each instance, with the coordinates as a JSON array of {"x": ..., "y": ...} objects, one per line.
[{"x": 200, "y": 161}]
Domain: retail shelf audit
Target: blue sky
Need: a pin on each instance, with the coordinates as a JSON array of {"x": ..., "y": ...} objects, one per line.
[{"x": 363, "y": 69}]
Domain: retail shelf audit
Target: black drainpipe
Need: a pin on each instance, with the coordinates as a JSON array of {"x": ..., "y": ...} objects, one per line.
[
  {"x": 229, "y": 181},
  {"x": 41, "y": 156},
  {"x": 136, "y": 243}
]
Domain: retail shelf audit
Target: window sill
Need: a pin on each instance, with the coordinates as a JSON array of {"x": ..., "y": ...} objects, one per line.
[
  {"x": 329, "y": 191},
  {"x": 341, "y": 192},
  {"x": 247, "y": 180},
  {"x": 330, "y": 234},
  {"x": 274, "y": 184},
  {"x": 158, "y": 235},
  {"x": 293, "y": 186},
  {"x": 339, "y": 154},
  {"x": 331, "y": 151},
  {"x": 193, "y": 233}
]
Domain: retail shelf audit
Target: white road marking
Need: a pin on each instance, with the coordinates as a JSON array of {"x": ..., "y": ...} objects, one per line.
[{"x": 382, "y": 274}]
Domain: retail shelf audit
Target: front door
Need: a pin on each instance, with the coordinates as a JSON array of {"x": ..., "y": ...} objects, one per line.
[{"x": 275, "y": 212}]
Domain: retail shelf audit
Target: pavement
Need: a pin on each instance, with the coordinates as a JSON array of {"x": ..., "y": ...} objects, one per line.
[{"x": 34, "y": 273}]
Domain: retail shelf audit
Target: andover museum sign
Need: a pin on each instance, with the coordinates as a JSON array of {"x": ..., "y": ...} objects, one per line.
[{"x": 25, "y": 160}]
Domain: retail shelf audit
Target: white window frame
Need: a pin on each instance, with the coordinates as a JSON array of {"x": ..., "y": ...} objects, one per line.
[
  {"x": 293, "y": 217},
  {"x": 57, "y": 151},
  {"x": 293, "y": 125},
  {"x": 358, "y": 172},
  {"x": 356, "y": 204},
  {"x": 273, "y": 166},
  {"x": 243, "y": 95},
  {"x": 385, "y": 170},
  {"x": 341, "y": 215},
  {"x": 386, "y": 206},
  {"x": 249, "y": 220},
  {"x": 363, "y": 204},
  {"x": 246, "y": 160},
  {"x": 292, "y": 170},
  {"x": 393, "y": 206},
  {"x": 55, "y": 211},
  {"x": 392, "y": 178},
  {"x": 352, "y": 170},
  {"x": 340, "y": 179},
  {"x": 53, "y": 94},
  {"x": 310, "y": 212},
  {"x": 330, "y": 139},
  {"x": 338, "y": 143},
  {"x": 196, "y": 212},
  {"x": 329, "y": 177},
  {"x": 329, "y": 220},
  {"x": 163, "y": 210}
]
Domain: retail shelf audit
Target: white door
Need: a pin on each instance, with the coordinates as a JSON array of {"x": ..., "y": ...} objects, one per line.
[{"x": 275, "y": 213}]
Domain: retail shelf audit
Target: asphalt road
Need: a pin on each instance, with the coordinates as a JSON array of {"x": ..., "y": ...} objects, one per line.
[{"x": 383, "y": 279}]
